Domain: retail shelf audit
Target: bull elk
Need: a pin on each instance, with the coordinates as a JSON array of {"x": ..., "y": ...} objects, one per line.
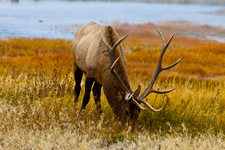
[{"x": 98, "y": 53}]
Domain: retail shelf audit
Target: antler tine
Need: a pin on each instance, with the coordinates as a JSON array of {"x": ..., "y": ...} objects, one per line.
[
  {"x": 113, "y": 65},
  {"x": 165, "y": 45},
  {"x": 159, "y": 68},
  {"x": 149, "y": 106},
  {"x": 118, "y": 42},
  {"x": 115, "y": 73},
  {"x": 111, "y": 49},
  {"x": 105, "y": 41},
  {"x": 137, "y": 104},
  {"x": 161, "y": 37},
  {"x": 168, "y": 67},
  {"x": 163, "y": 92}
]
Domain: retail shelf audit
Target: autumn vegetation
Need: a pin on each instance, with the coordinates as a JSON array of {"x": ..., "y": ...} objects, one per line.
[{"x": 36, "y": 95}]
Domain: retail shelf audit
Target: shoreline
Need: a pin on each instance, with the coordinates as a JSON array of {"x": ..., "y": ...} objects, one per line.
[{"x": 185, "y": 28}]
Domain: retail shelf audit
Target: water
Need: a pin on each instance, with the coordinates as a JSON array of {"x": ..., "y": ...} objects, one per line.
[{"x": 61, "y": 19}]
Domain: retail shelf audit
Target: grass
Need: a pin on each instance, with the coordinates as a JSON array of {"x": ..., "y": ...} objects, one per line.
[{"x": 36, "y": 95}]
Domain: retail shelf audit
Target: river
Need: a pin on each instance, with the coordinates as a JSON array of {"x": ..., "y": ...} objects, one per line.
[{"x": 61, "y": 19}]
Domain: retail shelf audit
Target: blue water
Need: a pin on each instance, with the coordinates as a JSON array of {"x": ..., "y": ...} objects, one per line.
[{"x": 61, "y": 19}]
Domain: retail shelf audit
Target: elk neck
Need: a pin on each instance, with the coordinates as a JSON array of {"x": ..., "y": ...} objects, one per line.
[{"x": 110, "y": 82}]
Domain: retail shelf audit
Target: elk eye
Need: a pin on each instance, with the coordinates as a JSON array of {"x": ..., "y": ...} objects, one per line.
[{"x": 127, "y": 113}]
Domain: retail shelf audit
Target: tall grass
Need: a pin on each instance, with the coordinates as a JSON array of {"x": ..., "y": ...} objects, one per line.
[{"x": 38, "y": 111}]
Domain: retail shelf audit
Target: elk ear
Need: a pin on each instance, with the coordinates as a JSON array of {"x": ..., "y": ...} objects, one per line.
[{"x": 137, "y": 91}]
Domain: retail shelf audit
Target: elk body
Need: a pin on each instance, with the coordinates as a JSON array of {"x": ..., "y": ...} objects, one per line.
[{"x": 98, "y": 53}]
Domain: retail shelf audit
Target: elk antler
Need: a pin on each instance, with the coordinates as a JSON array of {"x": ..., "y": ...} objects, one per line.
[
  {"x": 159, "y": 68},
  {"x": 111, "y": 50}
]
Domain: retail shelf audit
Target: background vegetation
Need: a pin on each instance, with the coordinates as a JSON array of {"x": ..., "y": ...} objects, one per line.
[{"x": 36, "y": 96}]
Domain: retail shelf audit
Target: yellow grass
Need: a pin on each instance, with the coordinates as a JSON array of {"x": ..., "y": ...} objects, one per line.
[{"x": 36, "y": 96}]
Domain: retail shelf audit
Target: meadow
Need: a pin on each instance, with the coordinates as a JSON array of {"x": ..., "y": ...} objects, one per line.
[{"x": 36, "y": 95}]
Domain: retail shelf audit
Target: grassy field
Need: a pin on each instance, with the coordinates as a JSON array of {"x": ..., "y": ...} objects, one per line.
[{"x": 36, "y": 96}]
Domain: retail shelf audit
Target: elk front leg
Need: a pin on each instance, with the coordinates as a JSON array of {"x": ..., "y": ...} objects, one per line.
[
  {"x": 86, "y": 98},
  {"x": 97, "y": 94}
]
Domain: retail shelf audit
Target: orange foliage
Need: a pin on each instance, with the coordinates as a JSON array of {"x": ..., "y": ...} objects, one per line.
[
  {"x": 201, "y": 58},
  {"x": 15, "y": 47},
  {"x": 31, "y": 64}
]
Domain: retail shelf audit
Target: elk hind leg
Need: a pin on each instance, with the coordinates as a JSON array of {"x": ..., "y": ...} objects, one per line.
[
  {"x": 97, "y": 94},
  {"x": 78, "y": 76}
]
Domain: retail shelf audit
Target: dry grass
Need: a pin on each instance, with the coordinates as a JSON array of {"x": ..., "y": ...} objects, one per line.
[
  {"x": 36, "y": 96},
  {"x": 39, "y": 113},
  {"x": 65, "y": 139}
]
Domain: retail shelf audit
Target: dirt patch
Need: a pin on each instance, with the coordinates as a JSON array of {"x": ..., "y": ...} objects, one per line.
[
  {"x": 219, "y": 12},
  {"x": 201, "y": 31}
]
